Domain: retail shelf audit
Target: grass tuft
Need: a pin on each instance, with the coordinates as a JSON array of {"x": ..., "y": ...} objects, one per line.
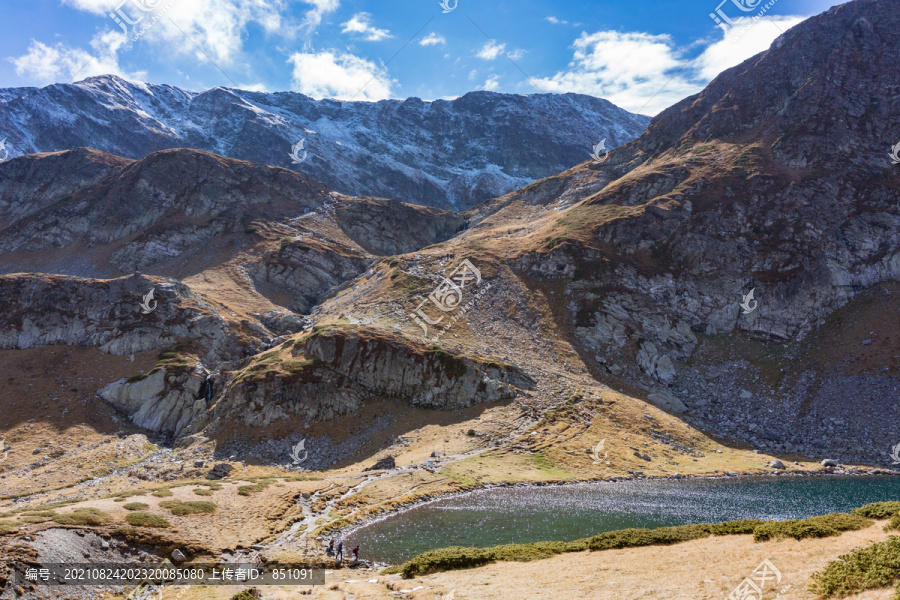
[
  {"x": 192, "y": 507},
  {"x": 136, "y": 506},
  {"x": 145, "y": 519},
  {"x": 84, "y": 516}
]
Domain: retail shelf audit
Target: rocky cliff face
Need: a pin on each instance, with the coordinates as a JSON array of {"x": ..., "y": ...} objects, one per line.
[
  {"x": 333, "y": 372},
  {"x": 467, "y": 150},
  {"x": 41, "y": 310},
  {"x": 775, "y": 180}
]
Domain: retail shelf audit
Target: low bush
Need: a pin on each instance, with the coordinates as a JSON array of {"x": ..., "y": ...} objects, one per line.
[
  {"x": 162, "y": 493},
  {"x": 878, "y": 510},
  {"x": 813, "y": 527},
  {"x": 84, "y": 516},
  {"x": 203, "y": 492},
  {"x": 874, "y": 566},
  {"x": 136, "y": 506},
  {"x": 145, "y": 519}
]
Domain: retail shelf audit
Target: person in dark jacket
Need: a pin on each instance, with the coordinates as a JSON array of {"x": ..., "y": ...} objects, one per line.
[
  {"x": 356, "y": 553},
  {"x": 340, "y": 552},
  {"x": 330, "y": 550}
]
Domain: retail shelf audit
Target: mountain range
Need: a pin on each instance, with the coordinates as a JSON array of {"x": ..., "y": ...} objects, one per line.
[{"x": 450, "y": 154}]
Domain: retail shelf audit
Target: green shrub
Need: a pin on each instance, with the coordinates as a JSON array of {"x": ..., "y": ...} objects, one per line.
[
  {"x": 162, "y": 493},
  {"x": 813, "y": 527},
  {"x": 84, "y": 516},
  {"x": 203, "y": 492},
  {"x": 193, "y": 507},
  {"x": 145, "y": 519},
  {"x": 874, "y": 566},
  {"x": 878, "y": 510},
  {"x": 251, "y": 594},
  {"x": 136, "y": 506},
  {"x": 894, "y": 525}
]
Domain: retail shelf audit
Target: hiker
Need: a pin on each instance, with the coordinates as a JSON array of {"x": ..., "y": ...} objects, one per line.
[
  {"x": 356, "y": 554},
  {"x": 340, "y": 552},
  {"x": 330, "y": 550}
]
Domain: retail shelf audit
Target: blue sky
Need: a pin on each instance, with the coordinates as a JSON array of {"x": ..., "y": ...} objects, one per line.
[{"x": 643, "y": 55}]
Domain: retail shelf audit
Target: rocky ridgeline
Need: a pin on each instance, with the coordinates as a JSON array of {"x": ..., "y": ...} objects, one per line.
[
  {"x": 41, "y": 310},
  {"x": 337, "y": 370},
  {"x": 447, "y": 154}
]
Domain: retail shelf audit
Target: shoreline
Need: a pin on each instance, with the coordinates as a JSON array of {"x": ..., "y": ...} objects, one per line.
[{"x": 350, "y": 529}]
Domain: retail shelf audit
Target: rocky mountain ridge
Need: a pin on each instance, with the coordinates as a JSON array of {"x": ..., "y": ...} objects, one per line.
[{"x": 446, "y": 154}]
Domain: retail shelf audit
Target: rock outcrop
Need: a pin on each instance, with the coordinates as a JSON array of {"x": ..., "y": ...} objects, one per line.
[{"x": 333, "y": 372}]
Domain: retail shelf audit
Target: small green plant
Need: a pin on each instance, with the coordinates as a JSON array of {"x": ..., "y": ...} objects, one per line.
[
  {"x": 145, "y": 519},
  {"x": 136, "y": 506},
  {"x": 203, "y": 492},
  {"x": 813, "y": 527},
  {"x": 162, "y": 493},
  {"x": 470, "y": 433},
  {"x": 84, "y": 516},
  {"x": 192, "y": 507}
]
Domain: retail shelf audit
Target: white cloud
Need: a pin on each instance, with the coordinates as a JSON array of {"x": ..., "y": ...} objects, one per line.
[
  {"x": 492, "y": 83},
  {"x": 647, "y": 73},
  {"x": 361, "y": 23},
  {"x": 329, "y": 74},
  {"x": 321, "y": 8},
  {"x": 556, "y": 21},
  {"x": 491, "y": 50},
  {"x": 432, "y": 39},
  {"x": 746, "y": 39},
  {"x": 216, "y": 26},
  {"x": 44, "y": 64}
]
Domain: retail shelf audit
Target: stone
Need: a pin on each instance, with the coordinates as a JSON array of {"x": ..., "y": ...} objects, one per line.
[
  {"x": 178, "y": 556},
  {"x": 829, "y": 462},
  {"x": 383, "y": 464},
  {"x": 777, "y": 464},
  {"x": 867, "y": 342}
]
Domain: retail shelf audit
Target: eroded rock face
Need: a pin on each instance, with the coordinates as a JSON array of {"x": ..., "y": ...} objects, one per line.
[
  {"x": 53, "y": 309},
  {"x": 172, "y": 401},
  {"x": 338, "y": 370}
]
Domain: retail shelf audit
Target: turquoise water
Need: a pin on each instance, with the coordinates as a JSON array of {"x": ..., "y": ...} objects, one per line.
[{"x": 532, "y": 514}]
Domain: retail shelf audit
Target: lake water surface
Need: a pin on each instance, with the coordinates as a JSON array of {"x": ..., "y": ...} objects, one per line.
[{"x": 530, "y": 514}]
